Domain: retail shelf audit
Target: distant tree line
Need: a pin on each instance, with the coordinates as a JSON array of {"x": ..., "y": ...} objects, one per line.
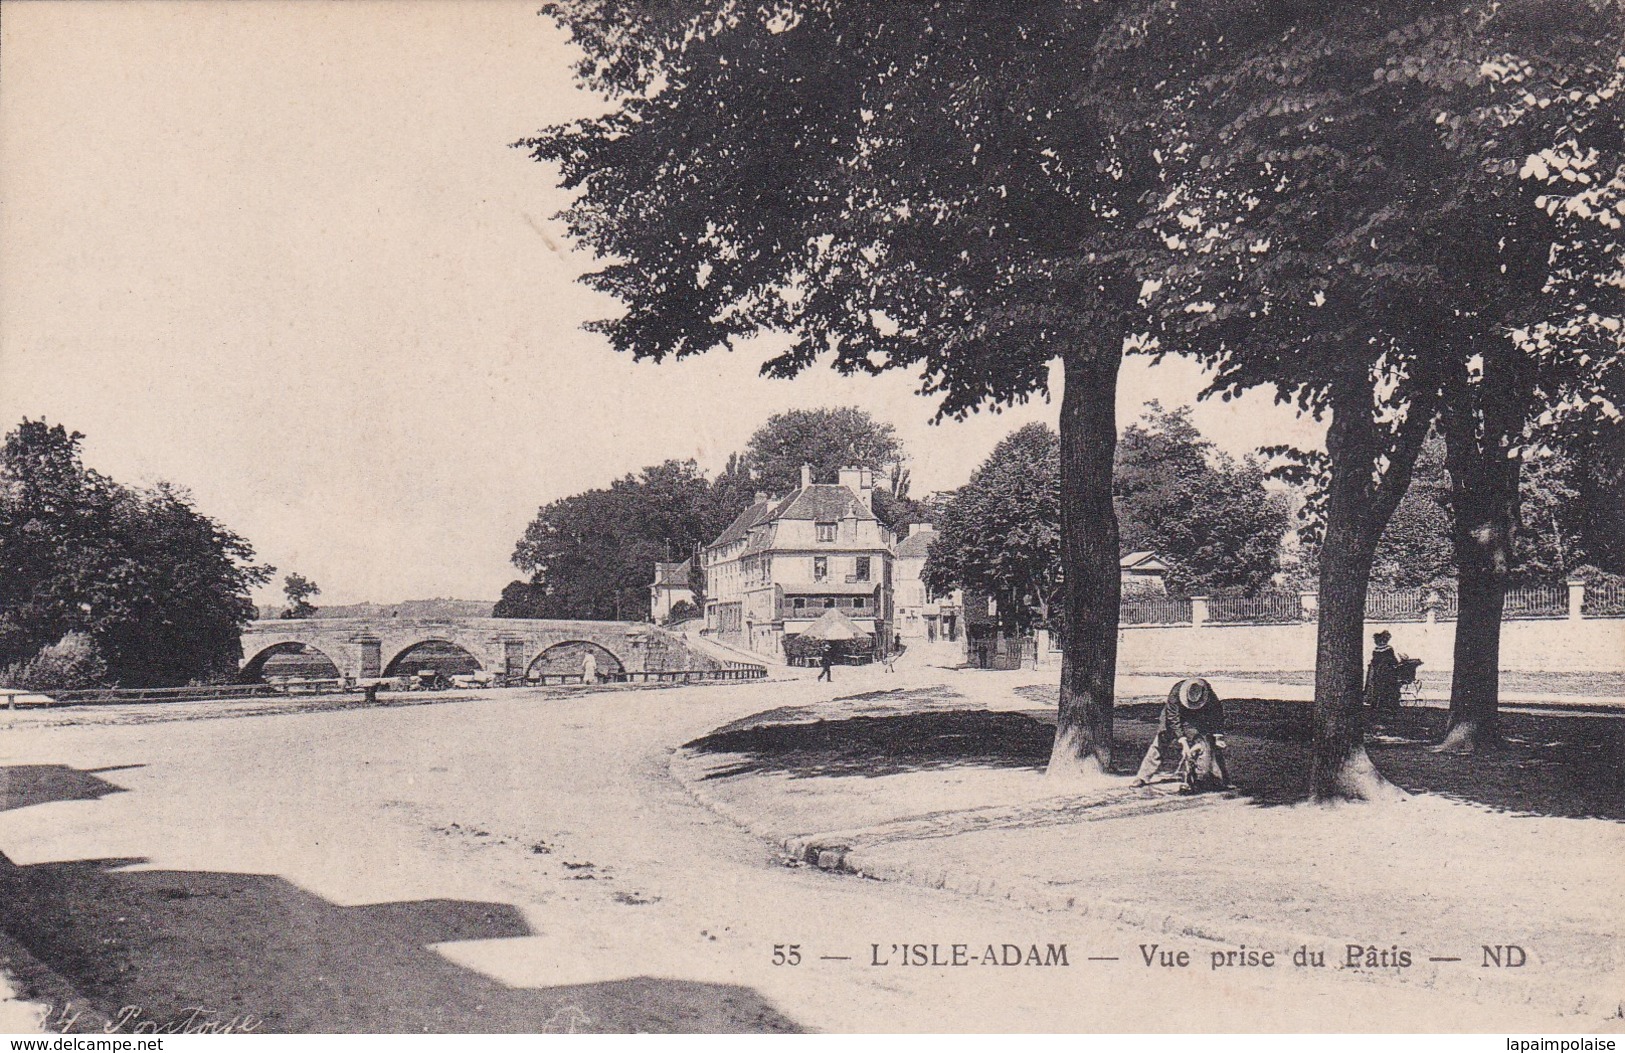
[
  {"x": 592, "y": 555},
  {"x": 106, "y": 583},
  {"x": 1210, "y": 517},
  {"x": 1220, "y": 527},
  {"x": 1569, "y": 518}
]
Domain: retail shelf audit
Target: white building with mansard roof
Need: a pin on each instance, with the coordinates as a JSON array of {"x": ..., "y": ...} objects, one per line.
[{"x": 785, "y": 561}]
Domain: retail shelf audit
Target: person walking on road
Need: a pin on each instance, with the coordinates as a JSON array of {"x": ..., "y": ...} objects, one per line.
[
  {"x": 824, "y": 662},
  {"x": 1194, "y": 717}
]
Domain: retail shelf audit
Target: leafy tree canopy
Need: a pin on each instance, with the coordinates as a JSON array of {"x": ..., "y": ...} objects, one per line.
[
  {"x": 1573, "y": 501},
  {"x": 72, "y": 662},
  {"x": 1415, "y": 548},
  {"x": 1001, "y": 532},
  {"x": 299, "y": 589},
  {"x": 1209, "y": 516},
  {"x": 969, "y": 184},
  {"x": 827, "y": 439},
  {"x": 1571, "y": 515},
  {"x": 945, "y": 188},
  {"x": 161, "y": 589},
  {"x": 592, "y": 555},
  {"x": 955, "y": 209},
  {"x": 1390, "y": 212}
]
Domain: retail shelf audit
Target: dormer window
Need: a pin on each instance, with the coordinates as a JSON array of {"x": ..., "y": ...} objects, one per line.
[{"x": 826, "y": 532}]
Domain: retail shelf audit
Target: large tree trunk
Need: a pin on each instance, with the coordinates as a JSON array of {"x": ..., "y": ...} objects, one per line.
[
  {"x": 1475, "y": 684},
  {"x": 1357, "y": 510},
  {"x": 1089, "y": 557},
  {"x": 1340, "y": 768},
  {"x": 1484, "y": 501}
]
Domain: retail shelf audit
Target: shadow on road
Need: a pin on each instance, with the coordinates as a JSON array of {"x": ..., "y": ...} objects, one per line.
[
  {"x": 1563, "y": 766},
  {"x": 25, "y": 785},
  {"x": 171, "y": 943},
  {"x": 884, "y": 745},
  {"x": 1570, "y": 766}
]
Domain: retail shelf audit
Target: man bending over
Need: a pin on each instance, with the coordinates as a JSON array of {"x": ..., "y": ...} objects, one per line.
[{"x": 1194, "y": 717}]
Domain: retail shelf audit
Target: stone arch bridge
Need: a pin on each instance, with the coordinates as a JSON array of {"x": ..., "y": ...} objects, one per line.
[{"x": 362, "y": 648}]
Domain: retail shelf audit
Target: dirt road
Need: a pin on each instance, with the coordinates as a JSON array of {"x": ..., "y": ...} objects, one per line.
[{"x": 520, "y": 863}]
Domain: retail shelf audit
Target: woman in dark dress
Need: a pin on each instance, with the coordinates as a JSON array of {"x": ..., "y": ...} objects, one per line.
[{"x": 1382, "y": 678}]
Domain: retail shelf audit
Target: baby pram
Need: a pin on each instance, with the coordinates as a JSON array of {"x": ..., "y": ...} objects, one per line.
[{"x": 1410, "y": 685}]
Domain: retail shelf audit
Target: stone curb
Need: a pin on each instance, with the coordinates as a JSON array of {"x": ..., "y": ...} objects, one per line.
[{"x": 843, "y": 852}]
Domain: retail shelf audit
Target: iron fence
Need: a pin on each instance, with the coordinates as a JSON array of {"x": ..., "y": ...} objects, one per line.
[
  {"x": 1533, "y": 600},
  {"x": 1155, "y": 610},
  {"x": 1604, "y": 599},
  {"x": 185, "y": 694},
  {"x": 1275, "y": 608},
  {"x": 1396, "y": 605},
  {"x": 1537, "y": 601},
  {"x": 683, "y": 676}
]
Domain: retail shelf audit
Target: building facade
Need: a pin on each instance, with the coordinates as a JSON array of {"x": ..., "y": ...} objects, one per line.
[
  {"x": 1143, "y": 574},
  {"x": 922, "y": 615},
  {"x": 671, "y": 587},
  {"x": 784, "y": 561}
]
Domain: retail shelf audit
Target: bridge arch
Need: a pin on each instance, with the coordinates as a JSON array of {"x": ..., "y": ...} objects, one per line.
[
  {"x": 254, "y": 669},
  {"x": 568, "y": 656},
  {"x": 446, "y": 656},
  {"x": 363, "y": 647}
]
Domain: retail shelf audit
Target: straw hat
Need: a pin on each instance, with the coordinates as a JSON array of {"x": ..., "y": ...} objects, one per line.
[{"x": 1193, "y": 694}]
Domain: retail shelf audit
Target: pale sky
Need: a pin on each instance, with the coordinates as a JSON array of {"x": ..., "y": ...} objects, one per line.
[{"x": 282, "y": 254}]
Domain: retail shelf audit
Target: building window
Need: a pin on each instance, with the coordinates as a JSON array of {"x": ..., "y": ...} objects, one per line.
[
  {"x": 860, "y": 602},
  {"x": 826, "y": 531},
  {"x": 800, "y": 603},
  {"x": 860, "y": 569},
  {"x": 820, "y": 568},
  {"x": 829, "y": 601}
]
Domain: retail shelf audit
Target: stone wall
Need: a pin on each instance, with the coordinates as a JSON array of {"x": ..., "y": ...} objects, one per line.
[{"x": 1548, "y": 645}]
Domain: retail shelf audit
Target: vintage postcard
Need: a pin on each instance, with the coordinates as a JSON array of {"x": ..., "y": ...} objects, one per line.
[{"x": 808, "y": 516}]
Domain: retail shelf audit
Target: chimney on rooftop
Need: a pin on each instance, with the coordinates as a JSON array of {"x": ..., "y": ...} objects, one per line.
[
  {"x": 806, "y": 475},
  {"x": 860, "y": 481},
  {"x": 761, "y": 495}
]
